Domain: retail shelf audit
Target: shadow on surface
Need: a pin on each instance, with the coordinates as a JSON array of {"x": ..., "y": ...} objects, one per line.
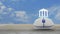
[{"x": 44, "y": 30}]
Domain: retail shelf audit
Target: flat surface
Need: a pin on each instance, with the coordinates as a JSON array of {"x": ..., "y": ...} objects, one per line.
[{"x": 26, "y": 29}]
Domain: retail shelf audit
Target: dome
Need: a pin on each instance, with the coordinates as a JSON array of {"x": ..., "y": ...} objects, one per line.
[
  {"x": 48, "y": 22},
  {"x": 43, "y": 9}
]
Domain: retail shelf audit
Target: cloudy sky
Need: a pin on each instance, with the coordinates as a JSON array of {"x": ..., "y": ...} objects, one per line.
[{"x": 26, "y": 11}]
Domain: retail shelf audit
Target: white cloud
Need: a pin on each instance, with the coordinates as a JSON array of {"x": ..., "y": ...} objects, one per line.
[
  {"x": 22, "y": 16},
  {"x": 52, "y": 9},
  {"x": 57, "y": 16},
  {"x": 2, "y": 6},
  {"x": 4, "y": 9},
  {"x": 17, "y": 0},
  {"x": 10, "y": 9},
  {"x": 14, "y": 0},
  {"x": 3, "y": 0},
  {"x": 1, "y": 3},
  {"x": 56, "y": 11}
]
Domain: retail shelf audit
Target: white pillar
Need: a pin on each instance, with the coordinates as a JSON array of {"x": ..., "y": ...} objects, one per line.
[
  {"x": 44, "y": 14},
  {"x": 39, "y": 13},
  {"x": 47, "y": 13}
]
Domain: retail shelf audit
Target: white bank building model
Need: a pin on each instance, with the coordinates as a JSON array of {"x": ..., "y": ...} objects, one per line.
[{"x": 43, "y": 22}]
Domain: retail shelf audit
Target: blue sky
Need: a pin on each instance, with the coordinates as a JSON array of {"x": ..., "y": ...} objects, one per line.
[{"x": 26, "y": 11}]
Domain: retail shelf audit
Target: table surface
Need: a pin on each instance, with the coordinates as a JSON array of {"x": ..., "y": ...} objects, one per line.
[{"x": 26, "y": 29}]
